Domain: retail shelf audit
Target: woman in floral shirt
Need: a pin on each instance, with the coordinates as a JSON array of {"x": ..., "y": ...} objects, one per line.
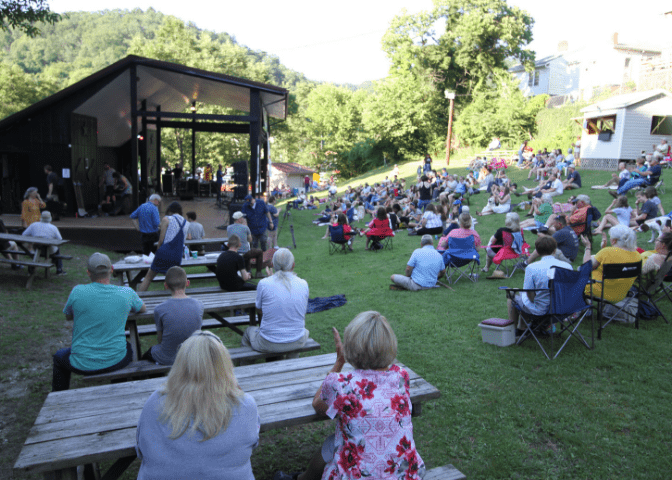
[{"x": 372, "y": 408}]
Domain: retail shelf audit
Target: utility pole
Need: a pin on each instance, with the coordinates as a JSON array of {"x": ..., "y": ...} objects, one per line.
[{"x": 450, "y": 96}]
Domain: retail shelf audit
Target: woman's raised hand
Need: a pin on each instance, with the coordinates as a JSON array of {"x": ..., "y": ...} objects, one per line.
[{"x": 340, "y": 355}]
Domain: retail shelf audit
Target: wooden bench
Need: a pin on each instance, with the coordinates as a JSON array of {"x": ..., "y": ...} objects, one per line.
[
  {"x": 142, "y": 368},
  {"x": 30, "y": 264},
  {"x": 189, "y": 291},
  {"x": 190, "y": 276},
  {"x": 208, "y": 324},
  {"x": 447, "y": 472}
]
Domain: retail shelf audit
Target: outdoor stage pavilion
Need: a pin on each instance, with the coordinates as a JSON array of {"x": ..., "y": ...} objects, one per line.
[{"x": 116, "y": 116}]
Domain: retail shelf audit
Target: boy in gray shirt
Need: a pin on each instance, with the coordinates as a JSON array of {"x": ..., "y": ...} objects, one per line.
[
  {"x": 195, "y": 232},
  {"x": 176, "y": 319}
]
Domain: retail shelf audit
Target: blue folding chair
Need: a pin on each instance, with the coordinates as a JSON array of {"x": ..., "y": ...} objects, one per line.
[
  {"x": 461, "y": 259},
  {"x": 338, "y": 241},
  {"x": 568, "y": 308}
]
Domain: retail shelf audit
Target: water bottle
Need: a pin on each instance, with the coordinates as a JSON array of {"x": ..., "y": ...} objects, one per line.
[{"x": 186, "y": 253}]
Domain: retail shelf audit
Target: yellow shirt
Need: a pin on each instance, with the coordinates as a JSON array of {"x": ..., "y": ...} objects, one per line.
[
  {"x": 616, "y": 290},
  {"x": 30, "y": 211}
]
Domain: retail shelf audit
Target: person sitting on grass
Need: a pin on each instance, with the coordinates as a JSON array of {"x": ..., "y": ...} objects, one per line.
[
  {"x": 430, "y": 223},
  {"x": 618, "y": 213},
  {"x": 423, "y": 270},
  {"x": 573, "y": 179},
  {"x": 99, "y": 311},
  {"x": 176, "y": 318},
  {"x": 231, "y": 273},
  {"x": 649, "y": 177},
  {"x": 650, "y": 193},
  {"x": 282, "y": 302},
  {"x": 372, "y": 398},
  {"x": 378, "y": 227},
  {"x": 542, "y": 209},
  {"x": 536, "y": 277},
  {"x": 567, "y": 242}
]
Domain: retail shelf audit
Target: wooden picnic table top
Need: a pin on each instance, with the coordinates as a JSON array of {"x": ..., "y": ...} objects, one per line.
[
  {"x": 47, "y": 242},
  {"x": 121, "y": 266},
  {"x": 204, "y": 241},
  {"x": 212, "y": 302},
  {"x": 94, "y": 424}
]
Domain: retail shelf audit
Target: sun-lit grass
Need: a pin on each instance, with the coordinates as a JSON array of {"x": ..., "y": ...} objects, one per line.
[{"x": 503, "y": 413}]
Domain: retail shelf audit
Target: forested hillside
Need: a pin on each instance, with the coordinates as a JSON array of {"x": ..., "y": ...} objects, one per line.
[{"x": 351, "y": 128}]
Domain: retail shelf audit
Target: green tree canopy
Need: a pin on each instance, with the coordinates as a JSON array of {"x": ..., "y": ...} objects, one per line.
[{"x": 23, "y": 14}]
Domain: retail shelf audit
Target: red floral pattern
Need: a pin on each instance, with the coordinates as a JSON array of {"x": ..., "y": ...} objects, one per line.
[{"x": 374, "y": 433}]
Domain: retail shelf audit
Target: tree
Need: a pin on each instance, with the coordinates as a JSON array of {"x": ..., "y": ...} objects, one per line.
[
  {"x": 22, "y": 14},
  {"x": 19, "y": 90},
  {"x": 479, "y": 37},
  {"x": 498, "y": 109}
]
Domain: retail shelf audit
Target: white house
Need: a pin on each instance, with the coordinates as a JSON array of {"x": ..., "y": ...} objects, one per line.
[
  {"x": 289, "y": 174},
  {"x": 580, "y": 71},
  {"x": 621, "y": 127},
  {"x": 549, "y": 76}
]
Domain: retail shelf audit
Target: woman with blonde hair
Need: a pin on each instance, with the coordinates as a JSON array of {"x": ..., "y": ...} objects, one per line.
[
  {"x": 200, "y": 424},
  {"x": 376, "y": 393}
]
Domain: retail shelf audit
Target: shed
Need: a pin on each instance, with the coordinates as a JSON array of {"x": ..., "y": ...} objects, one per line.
[
  {"x": 621, "y": 127},
  {"x": 289, "y": 174},
  {"x": 116, "y": 116}
]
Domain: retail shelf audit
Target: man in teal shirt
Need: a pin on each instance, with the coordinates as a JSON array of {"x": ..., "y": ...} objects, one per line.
[{"x": 99, "y": 311}]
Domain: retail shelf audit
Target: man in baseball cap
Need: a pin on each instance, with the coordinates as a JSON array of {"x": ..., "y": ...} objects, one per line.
[{"x": 99, "y": 311}]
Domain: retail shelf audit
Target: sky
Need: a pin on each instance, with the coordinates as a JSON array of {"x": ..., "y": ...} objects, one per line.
[{"x": 340, "y": 42}]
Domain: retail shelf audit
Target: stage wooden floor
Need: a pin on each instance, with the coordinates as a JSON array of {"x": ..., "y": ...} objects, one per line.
[{"x": 118, "y": 234}]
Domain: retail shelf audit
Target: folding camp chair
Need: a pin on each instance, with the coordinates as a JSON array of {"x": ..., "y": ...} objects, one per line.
[
  {"x": 338, "y": 241},
  {"x": 380, "y": 242},
  {"x": 461, "y": 259},
  {"x": 656, "y": 290},
  {"x": 618, "y": 271},
  {"x": 568, "y": 308},
  {"x": 513, "y": 250},
  {"x": 587, "y": 224}
]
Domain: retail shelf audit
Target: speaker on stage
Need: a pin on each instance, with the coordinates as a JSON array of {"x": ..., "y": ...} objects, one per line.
[
  {"x": 167, "y": 182},
  {"x": 240, "y": 179}
]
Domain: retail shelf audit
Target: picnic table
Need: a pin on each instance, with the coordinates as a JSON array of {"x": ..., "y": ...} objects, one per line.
[
  {"x": 204, "y": 241},
  {"x": 214, "y": 304},
  {"x": 40, "y": 247},
  {"x": 95, "y": 424},
  {"x": 123, "y": 269}
]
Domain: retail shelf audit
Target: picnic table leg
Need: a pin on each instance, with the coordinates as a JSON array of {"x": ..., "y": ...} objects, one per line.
[
  {"x": 134, "y": 339},
  {"x": 219, "y": 318},
  {"x": 118, "y": 468},
  {"x": 63, "y": 474}
]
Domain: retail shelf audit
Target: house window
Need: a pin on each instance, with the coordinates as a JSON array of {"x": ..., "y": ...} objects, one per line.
[
  {"x": 533, "y": 78},
  {"x": 661, "y": 125},
  {"x": 597, "y": 125}
]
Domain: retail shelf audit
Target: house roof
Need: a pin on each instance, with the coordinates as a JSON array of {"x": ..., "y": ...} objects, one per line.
[
  {"x": 292, "y": 168},
  {"x": 626, "y": 100},
  {"x": 541, "y": 63},
  {"x": 170, "y": 86}
]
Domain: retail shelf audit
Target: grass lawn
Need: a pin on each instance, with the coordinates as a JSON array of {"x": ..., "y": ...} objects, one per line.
[{"x": 503, "y": 413}]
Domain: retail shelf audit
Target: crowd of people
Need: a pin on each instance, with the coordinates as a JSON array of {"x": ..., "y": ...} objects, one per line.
[{"x": 201, "y": 424}]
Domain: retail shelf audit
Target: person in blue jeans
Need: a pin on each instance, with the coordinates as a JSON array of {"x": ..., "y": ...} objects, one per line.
[
  {"x": 99, "y": 311},
  {"x": 648, "y": 177}
]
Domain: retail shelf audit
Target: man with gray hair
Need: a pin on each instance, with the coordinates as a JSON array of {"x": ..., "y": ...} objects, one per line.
[
  {"x": 282, "y": 302},
  {"x": 99, "y": 311},
  {"x": 423, "y": 269},
  {"x": 45, "y": 229},
  {"x": 146, "y": 219},
  {"x": 647, "y": 178}
]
